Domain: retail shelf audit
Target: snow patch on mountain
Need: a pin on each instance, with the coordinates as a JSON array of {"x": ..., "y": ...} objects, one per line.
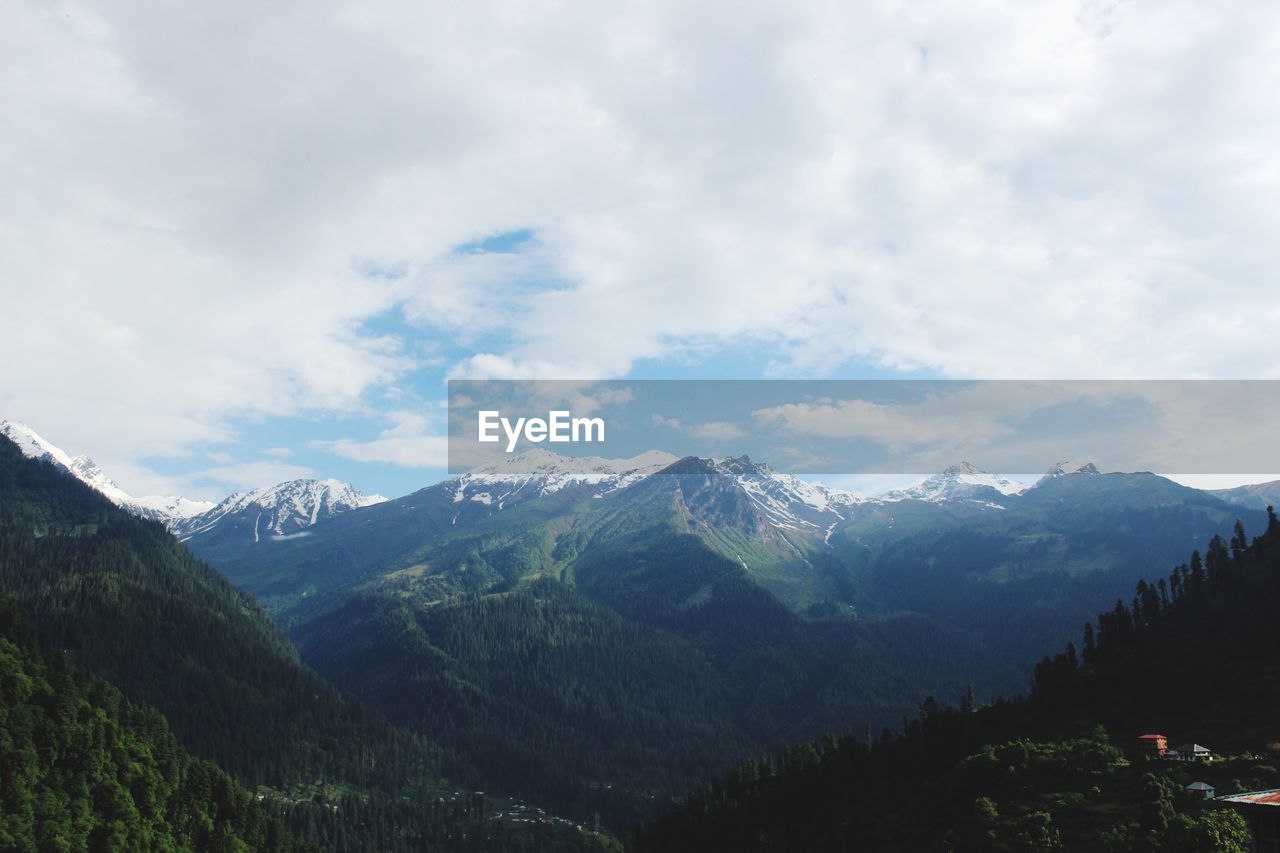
[
  {"x": 963, "y": 482},
  {"x": 170, "y": 507},
  {"x": 541, "y": 472},
  {"x": 280, "y": 510},
  {"x": 1063, "y": 469},
  {"x": 161, "y": 508},
  {"x": 786, "y": 500}
]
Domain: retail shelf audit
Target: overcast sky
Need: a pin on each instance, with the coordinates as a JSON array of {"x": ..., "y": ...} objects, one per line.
[{"x": 246, "y": 241}]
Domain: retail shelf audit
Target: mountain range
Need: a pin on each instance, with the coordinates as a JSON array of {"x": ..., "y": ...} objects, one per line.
[
  {"x": 271, "y": 511},
  {"x": 600, "y": 634},
  {"x": 288, "y": 508},
  {"x": 796, "y": 609}
]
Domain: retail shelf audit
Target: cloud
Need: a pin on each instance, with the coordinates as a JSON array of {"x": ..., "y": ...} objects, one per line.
[
  {"x": 248, "y": 475},
  {"x": 204, "y": 205},
  {"x": 663, "y": 421},
  {"x": 409, "y": 443},
  {"x": 968, "y": 415},
  {"x": 716, "y": 431},
  {"x": 1169, "y": 427}
]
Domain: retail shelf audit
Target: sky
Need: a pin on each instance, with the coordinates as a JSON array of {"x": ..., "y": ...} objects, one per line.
[{"x": 241, "y": 242}]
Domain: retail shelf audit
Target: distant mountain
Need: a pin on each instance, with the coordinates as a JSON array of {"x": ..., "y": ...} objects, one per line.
[
  {"x": 539, "y": 472},
  {"x": 84, "y": 469},
  {"x": 283, "y": 510},
  {"x": 1063, "y": 468},
  {"x": 341, "y": 548},
  {"x": 788, "y": 501},
  {"x": 963, "y": 482},
  {"x": 807, "y": 542},
  {"x": 746, "y": 510},
  {"x": 1257, "y": 495}
]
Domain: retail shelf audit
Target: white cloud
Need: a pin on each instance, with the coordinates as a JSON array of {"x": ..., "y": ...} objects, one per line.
[
  {"x": 248, "y": 475},
  {"x": 716, "y": 431},
  {"x": 409, "y": 443},
  {"x": 194, "y": 196}
]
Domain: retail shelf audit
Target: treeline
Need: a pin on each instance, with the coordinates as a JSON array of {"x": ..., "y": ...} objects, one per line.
[
  {"x": 82, "y": 768},
  {"x": 1023, "y": 795},
  {"x": 1195, "y": 654},
  {"x": 1209, "y": 620}
]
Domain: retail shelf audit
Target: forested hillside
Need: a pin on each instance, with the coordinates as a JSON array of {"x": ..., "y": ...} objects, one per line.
[
  {"x": 82, "y": 768},
  {"x": 604, "y": 653},
  {"x": 1196, "y": 655},
  {"x": 124, "y": 598},
  {"x": 613, "y": 707}
]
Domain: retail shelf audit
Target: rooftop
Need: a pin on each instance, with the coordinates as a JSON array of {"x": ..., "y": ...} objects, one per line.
[{"x": 1254, "y": 798}]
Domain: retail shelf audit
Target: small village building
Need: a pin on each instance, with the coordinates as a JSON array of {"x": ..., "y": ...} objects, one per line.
[
  {"x": 1153, "y": 746},
  {"x": 1261, "y": 811},
  {"x": 1200, "y": 791},
  {"x": 1190, "y": 752}
]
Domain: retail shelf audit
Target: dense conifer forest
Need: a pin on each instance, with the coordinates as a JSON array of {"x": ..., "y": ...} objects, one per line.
[
  {"x": 123, "y": 598},
  {"x": 593, "y": 709},
  {"x": 82, "y": 768},
  {"x": 1196, "y": 654}
]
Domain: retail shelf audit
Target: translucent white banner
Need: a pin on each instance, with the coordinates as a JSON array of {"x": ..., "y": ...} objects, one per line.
[{"x": 875, "y": 426}]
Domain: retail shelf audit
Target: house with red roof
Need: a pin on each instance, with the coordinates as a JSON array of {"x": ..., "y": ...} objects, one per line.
[{"x": 1153, "y": 746}]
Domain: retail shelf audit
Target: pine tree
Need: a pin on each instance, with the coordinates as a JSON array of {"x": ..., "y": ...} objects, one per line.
[
  {"x": 1239, "y": 542},
  {"x": 1197, "y": 572}
]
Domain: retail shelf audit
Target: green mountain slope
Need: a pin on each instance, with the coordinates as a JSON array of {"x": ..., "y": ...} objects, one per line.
[
  {"x": 1021, "y": 578},
  {"x": 1195, "y": 655},
  {"x": 546, "y": 694},
  {"x": 125, "y": 599},
  {"x": 791, "y": 630},
  {"x": 84, "y": 769},
  {"x": 128, "y": 601},
  {"x": 603, "y": 697}
]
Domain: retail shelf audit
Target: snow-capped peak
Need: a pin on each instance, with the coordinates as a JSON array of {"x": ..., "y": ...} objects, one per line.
[
  {"x": 1063, "y": 468},
  {"x": 174, "y": 508},
  {"x": 33, "y": 446},
  {"x": 280, "y": 510},
  {"x": 87, "y": 471},
  {"x": 544, "y": 463},
  {"x": 958, "y": 482},
  {"x": 84, "y": 469},
  {"x": 787, "y": 500},
  {"x": 541, "y": 472}
]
